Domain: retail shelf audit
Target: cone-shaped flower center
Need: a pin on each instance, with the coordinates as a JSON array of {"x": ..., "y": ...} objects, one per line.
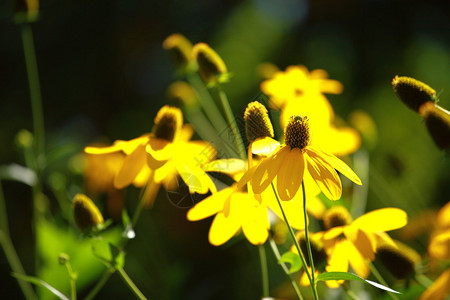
[
  {"x": 399, "y": 261},
  {"x": 86, "y": 214},
  {"x": 336, "y": 216},
  {"x": 168, "y": 121},
  {"x": 296, "y": 134},
  {"x": 257, "y": 122},
  {"x": 412, "y": 92}
]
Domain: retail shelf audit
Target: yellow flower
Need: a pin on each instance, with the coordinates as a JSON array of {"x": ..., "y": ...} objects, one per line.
[
  {"x": 353, "y": 242},
  {"x": 439, "y": 247},
  {"x": 180, "y": 50},
  {"x": 296, "y": 157},
  {"x": 440, "y": 289},
  {"x": 211, "y": 67},
  {"x": 235, "y": 209},
  {"x": 163, "y": 155},
  {"x": 299, "y": 92}
]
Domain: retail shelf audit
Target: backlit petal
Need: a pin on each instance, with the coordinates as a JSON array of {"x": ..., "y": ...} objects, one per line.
[
  {"x": 439, "y": 289},
  {"x": 336, "y": 163},
  {"x": 357, "y": 261},
  {"x": 255, "y": 224},
  {"x": 222, "y": 229},
  {"x": 209, "y": 206},
  {"x": 440, "y": 246},
  {"x": 131, "y": 167},
  {"x": 325, "y": 176},
  {"x": 290, "y": 174},
  {"x": 230, "y": 166},
  {"x": 195, "y": 178},
  {"x": 267, "y": 170},
  {"x": 362, "y": 241},
  {"x": 383, "y": 219},
  {"x": 264, "y": 146}
]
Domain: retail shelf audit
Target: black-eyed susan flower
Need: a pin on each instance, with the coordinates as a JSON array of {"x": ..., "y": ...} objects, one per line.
[
  {"x": 85, "y": 212},
  {"x": 163, "y": 155},
  {"x": 211, "y": 67},
  {"x": 297, "y": 91},
  {"x": 296, "y": 157},
  {"x": 353, "y": 242}
]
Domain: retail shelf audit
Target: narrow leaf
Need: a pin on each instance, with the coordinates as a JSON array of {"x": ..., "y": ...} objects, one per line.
[
  {"x": 18, "y": 173},
  {"x": 42, "y": 283},
  {"x": 293, "y": 259},
  {"x": 349, "y": 276}
]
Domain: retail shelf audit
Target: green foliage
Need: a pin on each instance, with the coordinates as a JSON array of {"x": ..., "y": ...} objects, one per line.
[
  {"x": 41, "y": 283},
  {"x": 109, "y": 254},
  {"x": 349, "y": 276},
  {"x": 293, "y": 259}
]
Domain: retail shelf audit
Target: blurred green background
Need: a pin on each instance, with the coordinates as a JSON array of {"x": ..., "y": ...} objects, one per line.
[{"x": 104, "y": 75}]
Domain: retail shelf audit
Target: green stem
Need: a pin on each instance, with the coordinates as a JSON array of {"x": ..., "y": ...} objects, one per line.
[
  {"x": 10, "y": 252},
  {"x": 264, "y": 271},
  {"x": 131, "y": 284},
  {"x": 99, "y": 285},
  {"x": 73, "y": 278},
  {"x": 35, "y": 91},
  {"x": 424, "y": 280},
  {"x": 207, "y": 102},
  {"x": 350, "y": 293},
  {"x": 142, "y": 195},
  {"x": 297, "y": 246},
  {"x": 308, "y": 245},
  {"x": 274, "y": 247},
  {"x": 232, "y": 122},
  {"x": 381, "y": 280}
]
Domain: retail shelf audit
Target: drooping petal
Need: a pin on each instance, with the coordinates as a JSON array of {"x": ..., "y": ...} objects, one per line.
[
  {"x": 209, "y": 206},
  {"x": 357, "y": 261},
  {"x": 230, "y": 166},
  {"x": 384, "y": 219},
  {"x": 131, "y": 167},
  {"x": 338, "y": 260},
  {"x": 439, "y": 246},
  {"x": 195, "y": 178},
  {"x": 362, "y": 241},
  {"x": 157, "y": 158},
  {"x": 127, "y": 147},
  {"x": 324, "y": 175},
  {"x": 336, "y": 163},
  {"x": 267, "y": 170},
  {"x": 255, "y": 222},
  {"x": 290, "y": 174},
  {"x": 264, "y": 146},
  {"x": 222, "y": 229}
]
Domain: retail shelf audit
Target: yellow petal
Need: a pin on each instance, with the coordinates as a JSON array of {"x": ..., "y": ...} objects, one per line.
[
  {"x": 127, "y": 147},
  {"x": 150, "y": 193},
  {"x": 440, "y": 246},
  {"x": 329, "y": 86},
  {"x": 362, "y": 241},
  {"x": 334, "y": 232},
  {"x": 246, "y": 176},
  {"x": 117, "y": 146},
  {"x": 338, "y": 260},
  {"x": 443, "y": 218},
  {"x": 222, "y": 229},
  {"x": 157, "y": 158},
  {"x": 131, "y": 167},
  {"x": 184, "y": 134},
  {"x": 336, "y": 163},
  {"x": 255, "y": 223},
  {"x": 195, "y": 178},
  {"x": 230, "y": 166},
  {"x": 439, "y": 289},
  {"x": 264, "y": 146},
  {"x": 209, "y": 206},
  {"x": 267, "y": 170},
  {"x": 290, "y": 174},
  {"x": 384, "y": 219},
  {"x": 324, "y": 175},
  {"x": 357, "y": 261}
]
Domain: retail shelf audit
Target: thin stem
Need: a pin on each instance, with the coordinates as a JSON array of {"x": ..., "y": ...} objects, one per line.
[
  {"x": 232, "y": 122},
  {"x": 73, "y": 279},
  {"x": 381, "y": 280},
  {"x": 350, "y": 293},
  {"x": 99, "y": 285},
  {"x": 35, "y": 91},
  {"x": 274, "y": 247},
  {"x": 207, "y": 102},
  {"x": 308, "y": 245},
  {"x": 142, "y": 198},
  {"x": 264, "y": 271},
  {"x": 131, "y": 284},
  {"x": 424, "y": 280},
  {"x": 297, "y": 246},
  {"x": 10, "y": 252}
]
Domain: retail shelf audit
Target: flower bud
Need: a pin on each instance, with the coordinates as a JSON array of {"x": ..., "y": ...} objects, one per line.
[
  {"x": 86, "y": 213},
  {"x": 63, "y": 258},
  {"x": 182, "y": 93},
  {"x": 211, "y": 67},
  {"x": 413, "y": 92},
  {"x": 180, "y": 50}
]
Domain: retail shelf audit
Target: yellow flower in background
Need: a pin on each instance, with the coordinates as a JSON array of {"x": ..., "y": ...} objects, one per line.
[
  {"x": 292, "y": 160},
  {"x": 211, "y": 67},
  {"x": 299, "y": 92},
  {"x": 439, "y": 247},
  {"x": 162, "y": 155},
  {"x": 440, "y": 288},
  {"x": 180, "y": 50},
  {"x": 350, "y": 242}
]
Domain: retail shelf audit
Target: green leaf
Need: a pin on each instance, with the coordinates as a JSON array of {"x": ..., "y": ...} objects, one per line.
[
  {"x": 109, "y": 254},
  {"x": 349, "y": 276},
  {"x": 293, "y": 259},
  {"x": 42, "y": 283},
  {"x": 18, "y": 173}
]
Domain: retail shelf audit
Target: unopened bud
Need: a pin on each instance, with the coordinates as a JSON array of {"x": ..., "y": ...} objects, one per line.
[
  {"x": 180, "y": 50},
  {"x": 86, "y": 213},
  {"x": 437, "y": 121},
  {"x": 412, "y": 92},
  {"x": 211, "y": 67}
]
